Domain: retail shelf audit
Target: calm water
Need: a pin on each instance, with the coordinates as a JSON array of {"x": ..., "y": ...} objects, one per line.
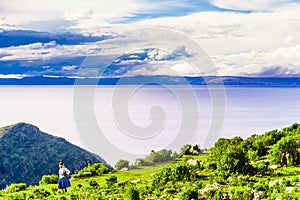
[{"x": 179, "y": 115}]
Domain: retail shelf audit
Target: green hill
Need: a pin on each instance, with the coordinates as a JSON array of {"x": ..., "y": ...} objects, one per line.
[
  {"x": 234, "y": 169},
  {"x": 26, "y": 154}
]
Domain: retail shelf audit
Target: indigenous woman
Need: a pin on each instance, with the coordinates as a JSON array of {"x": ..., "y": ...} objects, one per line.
[{"x": 63, "y": 181}]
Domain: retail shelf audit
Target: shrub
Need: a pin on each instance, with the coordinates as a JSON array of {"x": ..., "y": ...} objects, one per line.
[
  {"x": 41, "y": 193},
  {"x": 49, "y": 179},
  {"x": 16, "y": 187},
  {"x": 111, "y": 180},
  {"x": 122, "y": 164},
  {"x": 132, "y": 194},
  {"x": 93, "y": 183},
  {"x": 190, "y": 194},
  {"x": 96, "y": 169},
  {"x": 17, "y": 196},
  {"x": 180, "y": 172}
]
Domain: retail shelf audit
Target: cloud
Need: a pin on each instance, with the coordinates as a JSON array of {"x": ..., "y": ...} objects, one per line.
[
  {"x": 25, "y": 37},
  {"x": 254, "y": 43},
  {"x": 22, "y": 12},
  {"x": 284, "y": 61},
  {"x": 17, "y": 76},
  {"x": 69, "y": 68},
  {"x": 253, "y": 5}
]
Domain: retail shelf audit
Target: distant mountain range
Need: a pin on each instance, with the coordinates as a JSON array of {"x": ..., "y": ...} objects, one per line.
[
  {"x": 168, "y": 80},
  {"x": 26, "y": 154}
]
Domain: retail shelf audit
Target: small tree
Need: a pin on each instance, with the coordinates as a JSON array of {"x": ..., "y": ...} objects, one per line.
[
  {"x": 122, "y": 164},
  {"x": 186, "y": 150},
  {"x": 132, "y": 194},
  {"x": 49, "y": 179},
  {"x": 286, "y": 149}
]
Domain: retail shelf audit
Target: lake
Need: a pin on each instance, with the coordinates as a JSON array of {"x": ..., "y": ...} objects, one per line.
[{"x": 129, "y": 121}]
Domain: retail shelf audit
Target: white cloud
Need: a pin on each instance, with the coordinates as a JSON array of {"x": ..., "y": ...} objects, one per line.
[
  {"x": 184, "y": 69},
  {"x": 284, "y": 61},
  {"x": 230, "y": 32},
  {"x": 253, "y": 5},
  {"x": 69, "y": 68},
  {"x": 17, "y": 76},
  {"x": 258, "y": 43},
  {"x": 21, "y": 12}
]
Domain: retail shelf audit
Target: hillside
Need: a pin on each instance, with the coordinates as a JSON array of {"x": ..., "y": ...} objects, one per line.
[
  {"x": 233, "y": 169},
  {"x": 26, "y": 154}
]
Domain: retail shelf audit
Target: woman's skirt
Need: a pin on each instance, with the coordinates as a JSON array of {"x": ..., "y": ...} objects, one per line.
[{"x": 64, "y": 183}]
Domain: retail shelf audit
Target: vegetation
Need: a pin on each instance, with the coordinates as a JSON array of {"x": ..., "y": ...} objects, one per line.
[
  {"x": 122, "y": 164},
  {"x": 26, "y": 154},
  {"x": 233, "y": 169}
]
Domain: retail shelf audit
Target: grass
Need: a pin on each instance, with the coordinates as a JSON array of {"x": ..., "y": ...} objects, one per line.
[
  {"x": 142, "y": 177},
  {"x": 143, "y": 174}
]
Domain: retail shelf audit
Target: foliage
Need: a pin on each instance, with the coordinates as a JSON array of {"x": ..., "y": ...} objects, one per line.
[
  {"x": 155, "y": 157},
  {"x": 189, "y": 194},
  {"x": 93, "y": 183},
  {"x": 122, "y": 164},
  {"x": 186, "y": 178},
  {"x": 111, "y": 180},
  {"x": 132, "y": 194},
  {"x": 49, "y": 179},
  {"x": 96, "y": 169},
  {"x": 180, "y": 172},
  {"x": 286, "y": 149},
  {"x": 23, "y": 147},
  {"x": 41, "y": 193},
  {"x": 16, "y": 187},
  {"x": 190, "y": 150},
  {"x": 230, "y": 155}
]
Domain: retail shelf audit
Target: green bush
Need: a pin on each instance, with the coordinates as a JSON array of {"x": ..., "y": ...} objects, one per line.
[
  {"x": 132, "y": 194},
  {"x": 96, "y": 169},
  {"x": 122, "y": 164},
  {"x": 49, "y": 179},
  {"x": 190, "y": 194},
  {"x": 17, "y": 196},
  {"x": 41, "y": 193},
  {"x": 16, "y": 187},
  {"x": 93, "y": 183},
  {"x": 180, "y": 172},
  {"x": 111, "y": 180}
]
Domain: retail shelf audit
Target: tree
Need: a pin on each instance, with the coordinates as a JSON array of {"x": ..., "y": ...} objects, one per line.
[
  {"x": 230, "y": 156},
  {"x": 185, "y": 150},
  {"x": 122, "y": 164},
  {"x": 286, "y": 149}
]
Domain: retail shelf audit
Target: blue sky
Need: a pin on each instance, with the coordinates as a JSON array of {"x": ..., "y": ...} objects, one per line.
[{"x": 241, "y": 37}]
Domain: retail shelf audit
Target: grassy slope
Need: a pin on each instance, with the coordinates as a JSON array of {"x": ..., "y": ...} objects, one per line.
[{"x": 144, "y": 174}]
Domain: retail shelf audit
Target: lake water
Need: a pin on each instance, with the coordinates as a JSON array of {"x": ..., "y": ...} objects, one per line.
[{"x": 130, "y": 121}]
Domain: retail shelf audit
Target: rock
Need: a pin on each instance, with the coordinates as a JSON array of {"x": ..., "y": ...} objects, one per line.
[
  {"x": 273, "y": 167},
  {"x": 297, "y": 184},
  {"x": 258, "y": 195},
  {"x": 272, "y": 183},
  {"x": 124, "y": 169},
  {"x": 265, "y": 161},
  {"x": 192, "y": 162},
  {"x": 214, "y": 186},
  {"x": 87, "y": 173},
  {"x": 135, "y": 181},
  {"x": 289, "y": 189}
]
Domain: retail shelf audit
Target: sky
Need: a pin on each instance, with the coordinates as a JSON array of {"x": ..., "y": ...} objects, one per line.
[{"x": 258, "y": 38}]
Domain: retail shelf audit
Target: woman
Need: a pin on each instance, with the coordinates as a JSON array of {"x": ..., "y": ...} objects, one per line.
[{"x": 63, "y": 181}]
